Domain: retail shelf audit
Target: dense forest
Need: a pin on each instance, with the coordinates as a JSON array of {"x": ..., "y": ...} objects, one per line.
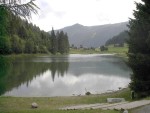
[
  {"x": 121, "y": 38},
  {"x": 17, "y": 36}
]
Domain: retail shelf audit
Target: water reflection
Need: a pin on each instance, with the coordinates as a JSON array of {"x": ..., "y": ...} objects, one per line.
[
  {"x": 64, "y": 75},
  {"x": 24, "y": 70},
  {"x": 68, "y": 85},
  {"x": 4, "y": 69},
  {"x": 99, "y": 64}
]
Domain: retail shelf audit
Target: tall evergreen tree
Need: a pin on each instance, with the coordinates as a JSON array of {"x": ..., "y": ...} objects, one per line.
[
  {"x": 67, "y": 45},
  {"x": 63, "y": 43},
  {"x": 139, "y": 49},
  {"x": 4, "y": 39},
  {"x": 54, "y": 42}
]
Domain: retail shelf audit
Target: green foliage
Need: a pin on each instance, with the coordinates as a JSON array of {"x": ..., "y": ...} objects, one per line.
[
  {"x": 29, "y": 46},
  {"x": 23, "y": 10},
  {"x": 5, "y": 47},
  {"x": 4, "y": 39},
  {"x": 60, "y": 42},
  {"x": 18, "y": 36},
  {"x": 54, "y": 42},
  {"x": 140, "y": 64},
  {"x": 63, "y": 43},
  {"x": 103, "y": 48},
  {"x": 3, "y": 21},
  {"x": 139, "y": 49},
  {"x": 17, "y": 44}
]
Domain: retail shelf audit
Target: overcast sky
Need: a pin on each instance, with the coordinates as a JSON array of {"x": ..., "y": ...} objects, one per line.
[{"x": 61, "y": 13}]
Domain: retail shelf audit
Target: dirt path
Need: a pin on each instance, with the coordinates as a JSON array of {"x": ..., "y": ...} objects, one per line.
[{"x": 104, "y": 106}]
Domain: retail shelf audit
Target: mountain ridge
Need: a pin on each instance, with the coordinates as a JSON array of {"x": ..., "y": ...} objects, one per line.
[{"x": 93, "y": 36}]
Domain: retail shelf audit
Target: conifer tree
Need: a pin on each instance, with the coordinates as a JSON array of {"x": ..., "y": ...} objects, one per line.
[
  {"x": 15, "y": 7},
  {"x": 63, "y": 43},
  {"x": 67, "y": 45},
  {"x": 139, "y": 49},
  {"x": 4, "y": 39},
  {"x": 54, "y": 42}
]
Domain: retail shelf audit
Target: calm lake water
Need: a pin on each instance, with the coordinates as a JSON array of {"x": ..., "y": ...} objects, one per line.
[{"x": 47, "y": 76}]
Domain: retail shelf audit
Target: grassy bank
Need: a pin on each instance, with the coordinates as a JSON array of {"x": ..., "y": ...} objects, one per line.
[
  {"x": 84, "y": 51},
  {"x": 111, "y": 50},
  {"x": 119, "y": 51},
  {"x": 25, "y": 55},
  {"x": 51, "y": 105}
]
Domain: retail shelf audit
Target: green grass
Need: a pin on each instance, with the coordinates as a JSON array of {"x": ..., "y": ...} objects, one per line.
[
  {"x": 111, "y": 50},
  {"x": 51, "y": 104},
  {"x": 83, "y": 51},
  {"x": 63, "y": 111}
]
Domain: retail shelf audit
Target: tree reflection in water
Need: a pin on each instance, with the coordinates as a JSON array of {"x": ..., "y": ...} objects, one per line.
[{"x": 20, "y": 71}]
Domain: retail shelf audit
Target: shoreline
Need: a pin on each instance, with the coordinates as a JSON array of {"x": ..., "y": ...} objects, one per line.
[
  {"x": 73, "y": 95},
  {"x": 52, "y": 104}
]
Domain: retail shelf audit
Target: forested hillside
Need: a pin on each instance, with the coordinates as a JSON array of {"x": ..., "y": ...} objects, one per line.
[
  {"x": 19, "y": 36},
  {"x": 121, "y": 38}
]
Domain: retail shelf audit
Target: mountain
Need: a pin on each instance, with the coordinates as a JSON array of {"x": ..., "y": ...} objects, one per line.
[{"x": 93, "y": 36}]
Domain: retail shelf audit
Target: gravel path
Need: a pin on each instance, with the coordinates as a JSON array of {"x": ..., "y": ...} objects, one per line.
[
  {"x": 144, "y": 109},
  {"x": 104, "y": 106}
]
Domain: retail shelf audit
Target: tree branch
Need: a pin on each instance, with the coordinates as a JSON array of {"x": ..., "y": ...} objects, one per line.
[{"x": 23, "y": 10}]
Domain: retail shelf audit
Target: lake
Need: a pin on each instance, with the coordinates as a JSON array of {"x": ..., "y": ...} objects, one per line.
[{"x": 75, "y": 74}]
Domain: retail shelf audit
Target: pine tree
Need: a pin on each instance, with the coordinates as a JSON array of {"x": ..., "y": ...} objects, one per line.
[
  {"x": 63, "y": 43},
  {"x": 67, "y": 45},
  {"x": 54, "y": 42},
  {"x": 7, "y": 9},
  {"x": 4, "y": 39},
  {"x": 139, "y": 49}
]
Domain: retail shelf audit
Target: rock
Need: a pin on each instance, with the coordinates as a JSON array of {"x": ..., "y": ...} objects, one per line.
[
  {"x": 125, "y": 111},
  {"x": 34, "y": 105},
  {"x": 114, "y": 100}
]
